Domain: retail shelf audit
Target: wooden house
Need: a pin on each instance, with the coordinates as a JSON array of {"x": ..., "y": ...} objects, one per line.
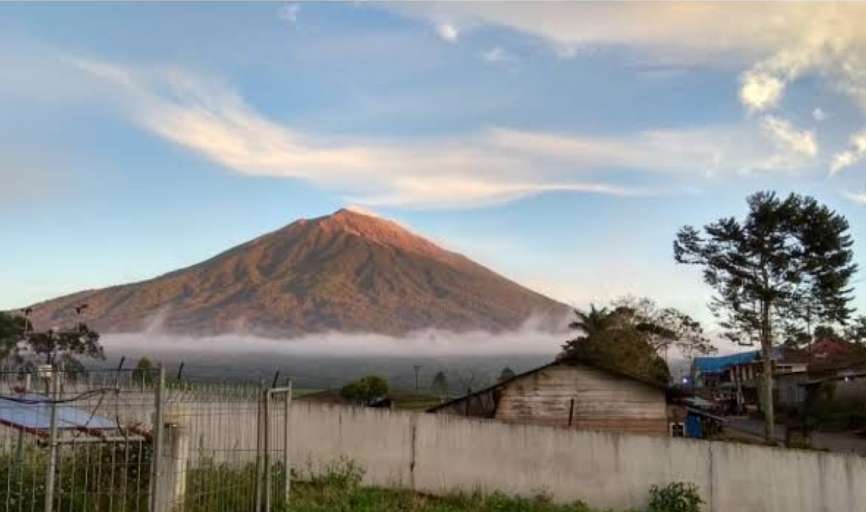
[{"x": 570, "y": 394}]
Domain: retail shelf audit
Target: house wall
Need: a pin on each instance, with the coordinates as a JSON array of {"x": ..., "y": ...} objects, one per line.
[
  {"x": 853, "y": 390},
  {"x": 788, "y": 389},
  {"x": 602, "y": 401}
]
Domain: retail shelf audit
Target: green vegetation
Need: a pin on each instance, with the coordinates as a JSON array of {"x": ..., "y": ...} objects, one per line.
[
  {"x": 338, "y": 488},
  {"x": 23, "y": 346},
  {"x": 365, "y": 390},
  {"x": 106, "y": 479},
  {"x": 506, "y": 374},
  {"x": 414, "y": 401},
  {"x": 675, "y": 497},
  {"x": 785, "y": 267},
  {"x": 632, "y": 336}
]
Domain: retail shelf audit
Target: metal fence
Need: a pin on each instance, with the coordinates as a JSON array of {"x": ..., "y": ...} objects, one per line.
[{"x": 128, "y": 441}]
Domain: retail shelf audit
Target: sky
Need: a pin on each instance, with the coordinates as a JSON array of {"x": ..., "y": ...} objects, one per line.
[{"x": 562, "y": 145}]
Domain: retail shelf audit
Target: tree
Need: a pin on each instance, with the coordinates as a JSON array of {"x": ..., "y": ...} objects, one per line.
[
  {"x": 440, "y": 384},
  {"x": 143, "y": 372},
  {"x": 826, "y": 332},
  {"x": 617, "y": 344},
  {"x": 365, "y": 390},
  {"x": 593, "y": 321},
  {"x": 22, "y": 345},
  {"x": 13, "y": 330},
  {"x": 506, "y": 374},
  {"x": 665, "y": 327},
  {"x": 855, "y": 332},
  {"x": 786, "y": 264}
]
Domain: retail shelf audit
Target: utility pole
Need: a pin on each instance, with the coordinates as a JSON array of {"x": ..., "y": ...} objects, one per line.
[{"x": 417, "y": 368}]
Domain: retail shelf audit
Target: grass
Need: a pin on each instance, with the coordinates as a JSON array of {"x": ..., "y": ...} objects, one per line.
[
  {"x": 85, "y": 485},
  {"x": 337, "y": 488}
]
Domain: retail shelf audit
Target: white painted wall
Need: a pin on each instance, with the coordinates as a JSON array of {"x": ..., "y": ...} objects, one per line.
[{"x": 438, "y": 453}]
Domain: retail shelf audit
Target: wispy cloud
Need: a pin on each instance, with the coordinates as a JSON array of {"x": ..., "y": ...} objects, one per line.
[
  {"x": 855, "y": 197},
  {"x": 489, "y": 166},
  {"x": 851, "y": 156},
  {"x": 498, "y": 55},
  {"x": 788, "y": 138},
  {"x": 447, "y": 32},
  {"x": 771, "y": 44},
  {"x": 289, "y": 13}
]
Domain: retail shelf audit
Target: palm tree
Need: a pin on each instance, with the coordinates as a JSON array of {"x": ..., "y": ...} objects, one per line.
[{"x": 594, "y": 321}]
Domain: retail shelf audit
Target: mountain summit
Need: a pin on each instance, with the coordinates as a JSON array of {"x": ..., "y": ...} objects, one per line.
[{"x": 348, "y": 272}]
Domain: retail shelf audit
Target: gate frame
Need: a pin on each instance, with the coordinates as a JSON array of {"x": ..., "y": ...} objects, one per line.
[{"x": 265, "y": 445}]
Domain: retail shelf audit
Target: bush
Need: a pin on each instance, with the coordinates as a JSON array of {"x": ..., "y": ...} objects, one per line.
[
  {"x": 675, "y": 497},
  {"x": 366, "y": 390}
]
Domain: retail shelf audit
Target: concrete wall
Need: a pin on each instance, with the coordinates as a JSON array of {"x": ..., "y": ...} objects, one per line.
[
  {"x": 438, "y": 453},
  {"x": 434, "y": 453}
]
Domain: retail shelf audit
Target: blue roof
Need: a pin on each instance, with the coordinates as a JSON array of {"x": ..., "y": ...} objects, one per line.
[
  {"x": 37, "y": 416},
  {"x": 721, "y": 363}
]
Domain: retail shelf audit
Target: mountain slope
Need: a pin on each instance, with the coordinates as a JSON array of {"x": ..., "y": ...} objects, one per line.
[{"x": 347, "y": 272}]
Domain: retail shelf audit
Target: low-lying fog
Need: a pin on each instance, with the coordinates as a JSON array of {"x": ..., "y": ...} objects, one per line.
[{"x": 328, "y": 360}]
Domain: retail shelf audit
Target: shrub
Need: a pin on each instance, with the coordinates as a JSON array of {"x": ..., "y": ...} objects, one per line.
[
  {"x": 365, "y": 390},
  {"x": 675, "y": 497}
]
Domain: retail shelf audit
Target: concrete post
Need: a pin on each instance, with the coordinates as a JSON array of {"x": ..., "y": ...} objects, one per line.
[
  {"x": 173, "y": 463},
  {"x": 52, "y": 443}
]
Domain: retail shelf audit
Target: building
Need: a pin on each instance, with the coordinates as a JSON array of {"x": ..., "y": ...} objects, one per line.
[
  {"x": 735, "y": 378},
  {"x": 570, "y": 394}
]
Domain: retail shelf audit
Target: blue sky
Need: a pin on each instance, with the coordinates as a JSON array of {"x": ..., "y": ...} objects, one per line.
[{"x": 560, "y": 144}]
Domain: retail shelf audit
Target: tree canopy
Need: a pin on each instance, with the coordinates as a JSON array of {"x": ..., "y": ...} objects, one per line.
[
  {"x": 23, "y": 346},
  {"x": 506, "y": 374},
  {"x": 618, "y": 339},
  {"x": 365, "y": 390},
  {"x": 440, "y": 384},
  {"x": 784, "y": 267}
]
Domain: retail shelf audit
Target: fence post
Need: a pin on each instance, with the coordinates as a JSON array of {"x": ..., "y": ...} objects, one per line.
[
  {"x": 52, "y": 443},
  {"x": 156, "y": 452},
  {"x": 267, "y": 449},
  {"x": 259, "y": 407},
  {"x": 172, "y": 481},
  {"x": 287, "y": 467}
]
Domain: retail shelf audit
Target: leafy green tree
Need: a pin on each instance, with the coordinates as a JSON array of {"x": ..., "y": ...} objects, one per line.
[
  {"x": 593, "y": 321},
  {"x": 143, "y": 372},
  {"x": 440, "y": 384},
  {"x": 826, "y": 332},
  {"x": 365, "y": 390},
  {"x": 615, "y": 342},
  {"x": 787, "y": 263},
  {"x": 665, "y": 328},
  {"x": 506, "y": 374}
]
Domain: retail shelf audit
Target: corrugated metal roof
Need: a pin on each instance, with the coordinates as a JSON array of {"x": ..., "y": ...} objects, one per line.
[
  {"x": 721, "y": 363},
  {"x": 30, "y": 411}
]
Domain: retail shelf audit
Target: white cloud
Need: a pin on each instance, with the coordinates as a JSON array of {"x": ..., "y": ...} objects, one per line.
[
  {"x": 289, "y": 13},
  {"x": 498, "y": 55},
  {"x": 772, "y": 45},
  {"x": 760, "y": 91},
  {"x": 852, "y": 155},
  {"x": 819, "y": 115},
  {"x": 489, "y": 166},
  {"x": 857, "y": 198},
  {"x": 788, "y": 138},
  {"x": 447, "y": 32}
]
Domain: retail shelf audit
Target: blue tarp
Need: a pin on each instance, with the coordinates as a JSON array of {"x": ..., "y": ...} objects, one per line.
[
  {"x": 694, "y": 426},
  {"x": 722, "y": 363},
  {"x": 37, "y": 416}
]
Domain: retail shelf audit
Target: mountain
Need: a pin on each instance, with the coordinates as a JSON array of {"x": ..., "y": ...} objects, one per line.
[{"x": 347, "y": 272}]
